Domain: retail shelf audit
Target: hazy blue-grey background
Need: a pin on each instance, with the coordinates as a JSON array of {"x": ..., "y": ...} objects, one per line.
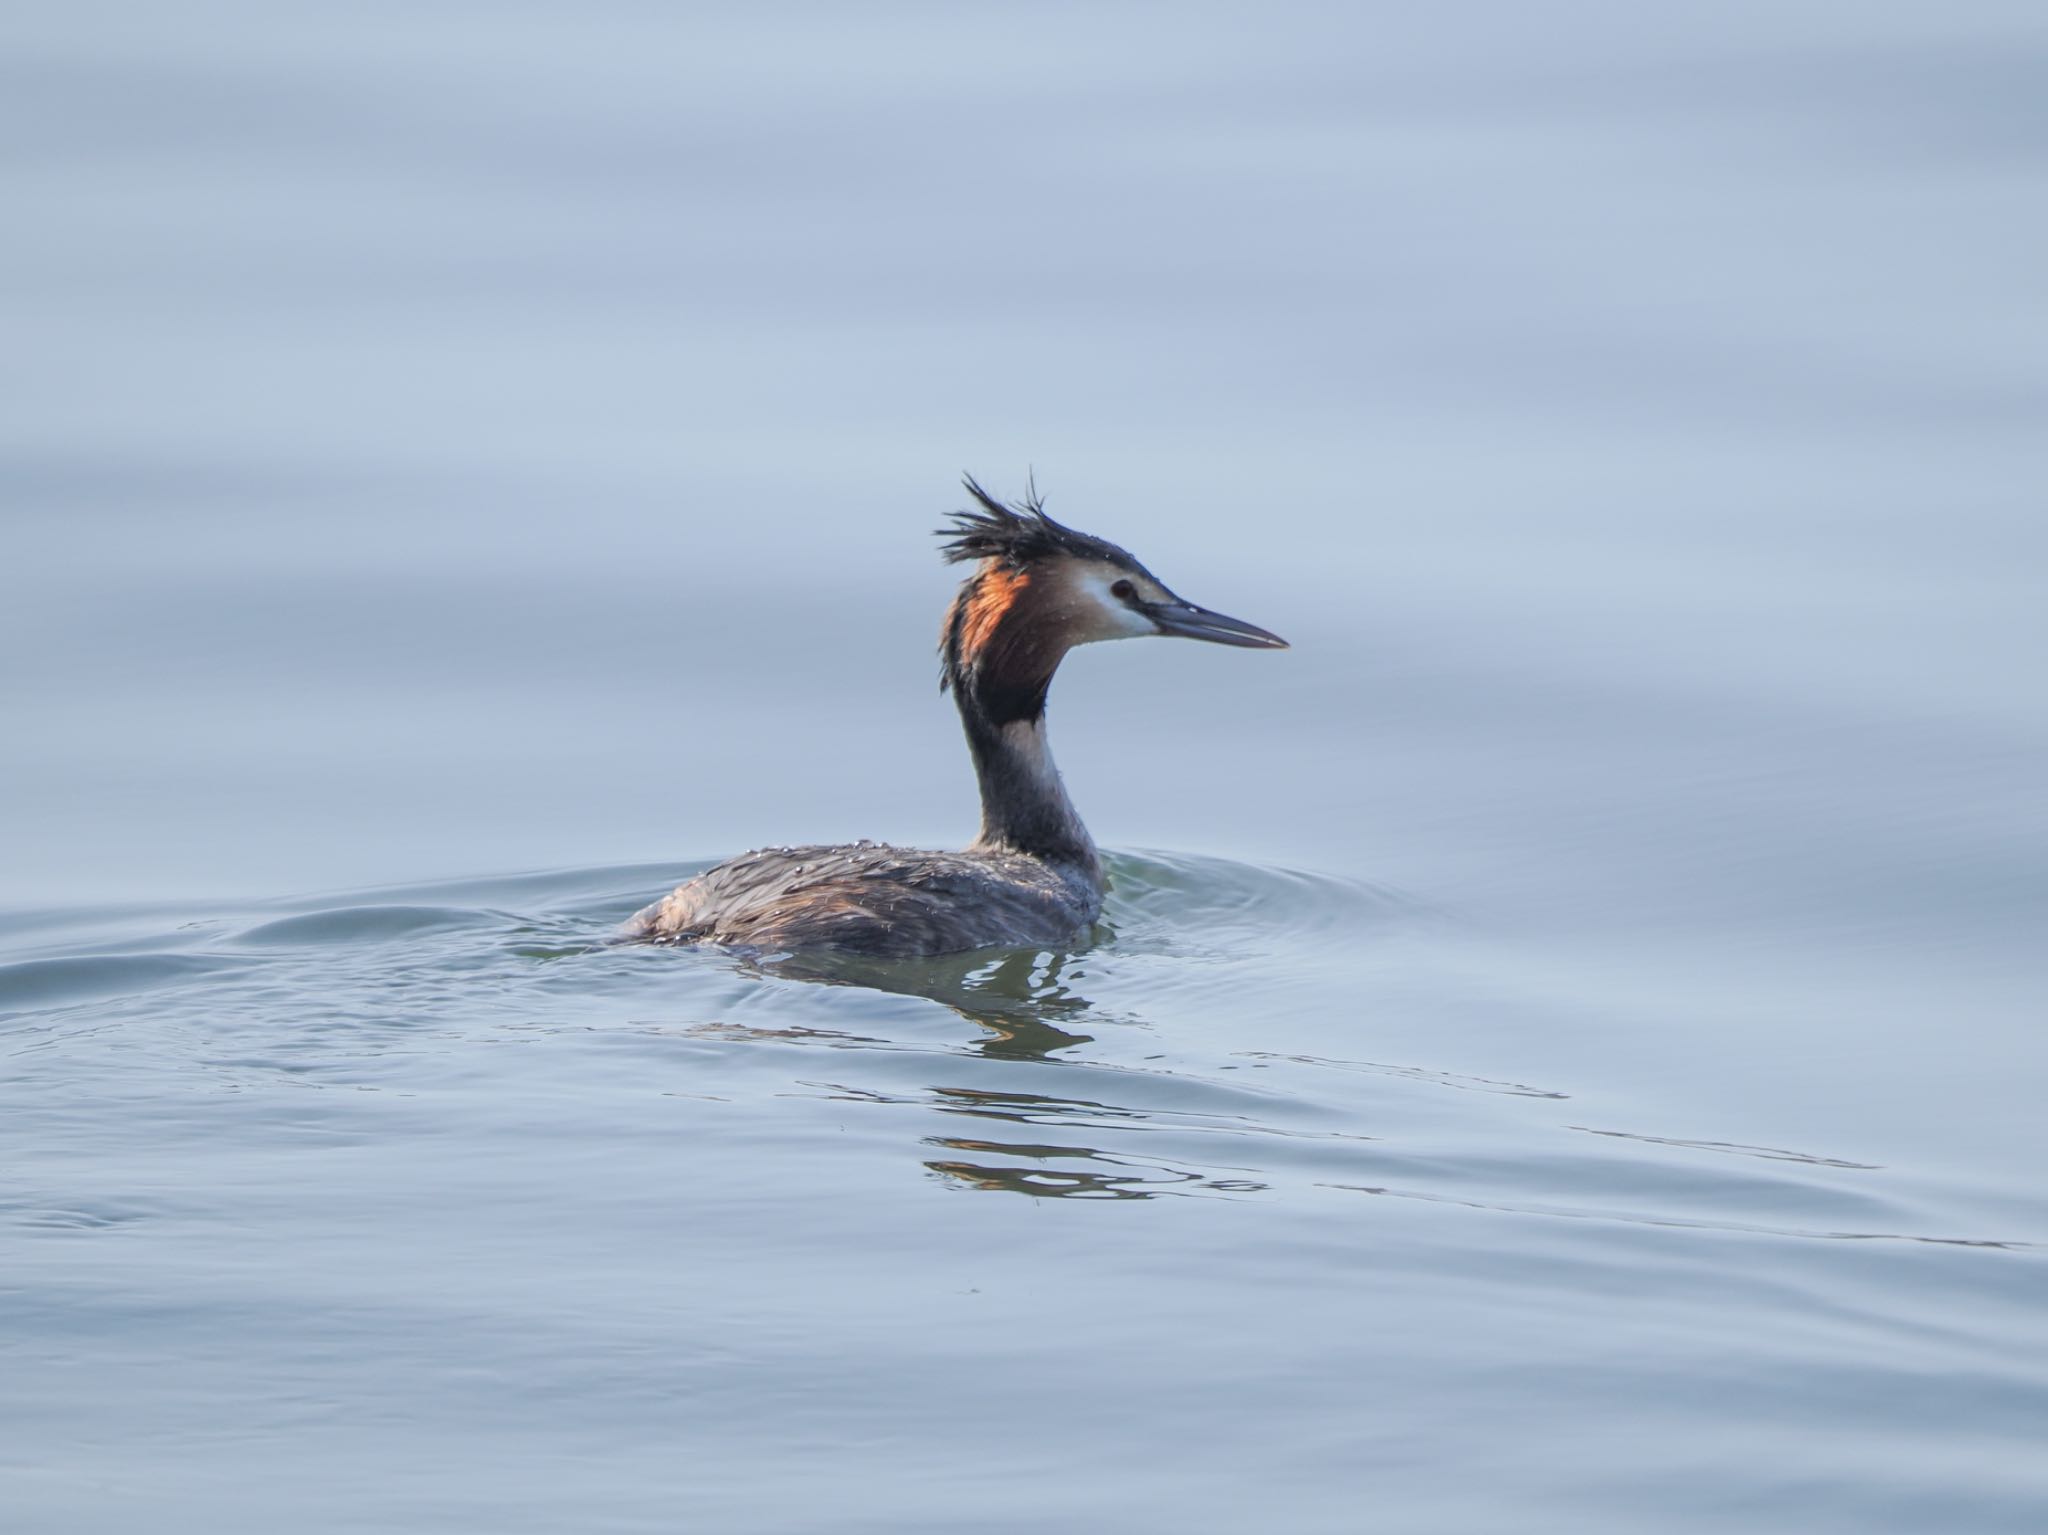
[
  {"x": 449, "y": 440},
  {"x": 475, "y": 436}
]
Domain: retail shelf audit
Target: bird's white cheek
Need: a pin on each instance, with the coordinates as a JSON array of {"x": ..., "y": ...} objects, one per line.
[{"x": 1104, "y": 617}]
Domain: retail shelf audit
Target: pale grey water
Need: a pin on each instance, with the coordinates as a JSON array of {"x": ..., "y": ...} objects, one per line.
[{"x": 1580, "y": 1066}]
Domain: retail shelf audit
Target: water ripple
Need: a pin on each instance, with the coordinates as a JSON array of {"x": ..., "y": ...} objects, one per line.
[
  {"x": 43, "y": 983},
  {"x": 1126, "y": 1057}
]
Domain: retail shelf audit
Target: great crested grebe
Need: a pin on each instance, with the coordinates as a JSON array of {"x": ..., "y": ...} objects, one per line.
[{"x": 1032, "y": 876}]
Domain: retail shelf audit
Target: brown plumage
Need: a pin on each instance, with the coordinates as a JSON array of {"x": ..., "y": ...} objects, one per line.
[
  {"x": 873, "y": 899},
  {"x": 1032, "y": 876},
  {"x": 985, "y": 601}
]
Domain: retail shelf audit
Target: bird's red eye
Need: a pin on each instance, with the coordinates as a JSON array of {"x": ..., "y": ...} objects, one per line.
[{"x": 1123, "y": 591}]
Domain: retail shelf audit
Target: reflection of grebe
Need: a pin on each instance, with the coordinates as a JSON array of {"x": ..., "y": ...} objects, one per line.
[
  {"x": 1020, "y": 998},
  {"x": 1032, "y": 876}
]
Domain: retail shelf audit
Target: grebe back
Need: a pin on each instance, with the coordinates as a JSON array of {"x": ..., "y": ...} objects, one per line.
[{"x": 1033, "y": 875}]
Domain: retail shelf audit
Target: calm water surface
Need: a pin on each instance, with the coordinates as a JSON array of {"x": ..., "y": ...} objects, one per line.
[
  {"x": 414, "y": 1208},
  {"x": 1577, "y": 1064}
]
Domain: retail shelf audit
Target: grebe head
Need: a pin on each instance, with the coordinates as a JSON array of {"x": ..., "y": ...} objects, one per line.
[{"x": 1042, "y": 588}]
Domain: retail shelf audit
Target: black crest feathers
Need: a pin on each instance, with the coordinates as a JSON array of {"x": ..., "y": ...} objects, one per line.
[{"x": 1018, "y": 533}]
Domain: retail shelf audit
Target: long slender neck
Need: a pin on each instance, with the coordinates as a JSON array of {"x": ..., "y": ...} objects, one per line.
[
  {"x": 1004, "y": 638},
  {"x": 1024, "y": 806}
]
